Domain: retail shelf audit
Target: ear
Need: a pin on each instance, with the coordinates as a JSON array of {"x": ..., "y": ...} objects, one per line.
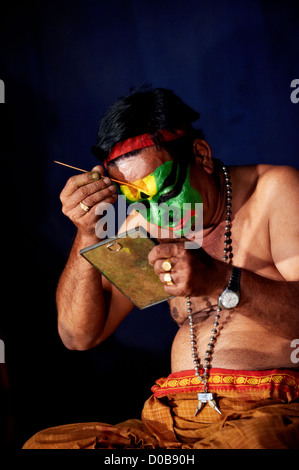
[{"x": 203, "y": 155}]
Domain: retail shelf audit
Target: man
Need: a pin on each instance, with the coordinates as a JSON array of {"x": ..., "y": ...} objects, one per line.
[{"x": 233, "y": 381}]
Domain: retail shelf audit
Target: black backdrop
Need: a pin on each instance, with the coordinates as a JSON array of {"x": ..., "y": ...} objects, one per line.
[{"x": 63, "y": 63}]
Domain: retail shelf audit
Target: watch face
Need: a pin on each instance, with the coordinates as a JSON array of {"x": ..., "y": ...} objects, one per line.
[{"x": 229, "y": 299}]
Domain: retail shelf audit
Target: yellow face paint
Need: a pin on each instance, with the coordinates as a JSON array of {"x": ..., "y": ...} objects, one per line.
[{"x": 150, "y": 185}]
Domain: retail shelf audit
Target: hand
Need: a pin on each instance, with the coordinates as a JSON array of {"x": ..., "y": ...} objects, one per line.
[
  {"x": 194, "y": 272},
  {"x": 90, "y": 189}
]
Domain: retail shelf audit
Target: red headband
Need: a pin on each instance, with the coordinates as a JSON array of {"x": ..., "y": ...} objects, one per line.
[{"x": 141, "y": 142}]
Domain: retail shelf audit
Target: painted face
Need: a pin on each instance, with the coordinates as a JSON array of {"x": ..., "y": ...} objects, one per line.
[{"x": 168, "y": 200}]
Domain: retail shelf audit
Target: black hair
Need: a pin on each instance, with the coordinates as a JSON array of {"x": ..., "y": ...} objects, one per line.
[{"x": 146, "y": 111}]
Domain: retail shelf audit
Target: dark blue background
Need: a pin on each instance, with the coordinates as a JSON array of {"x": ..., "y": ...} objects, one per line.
[{"x": 63, "y": 64}]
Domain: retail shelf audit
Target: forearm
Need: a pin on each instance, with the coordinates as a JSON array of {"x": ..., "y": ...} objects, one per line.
[
  {"x": 272, "y": 303},
  {"x": 80, "y": 301}
]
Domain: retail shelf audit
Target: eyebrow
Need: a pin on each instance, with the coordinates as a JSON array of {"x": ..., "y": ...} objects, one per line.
[{"x": 170, "y": 179}]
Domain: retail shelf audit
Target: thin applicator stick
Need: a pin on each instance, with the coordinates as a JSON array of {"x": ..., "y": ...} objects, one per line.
[
  {"x": 70, "y": 166},
  {"x": 85, "y": 171}
]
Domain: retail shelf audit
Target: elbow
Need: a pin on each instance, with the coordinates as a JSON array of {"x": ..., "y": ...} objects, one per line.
[
  {"x": 74, "y": 345},
  {"x": 76, "y": 342}
]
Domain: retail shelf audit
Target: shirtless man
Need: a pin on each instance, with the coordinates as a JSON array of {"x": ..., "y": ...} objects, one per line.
[{"x": 256, "y": 335}]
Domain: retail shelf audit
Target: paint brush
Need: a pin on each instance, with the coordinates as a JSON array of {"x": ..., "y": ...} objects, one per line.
[{"x": 112, "y": 179}]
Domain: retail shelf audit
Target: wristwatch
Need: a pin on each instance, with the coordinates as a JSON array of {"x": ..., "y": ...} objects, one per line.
[{"x": 230, "y": 297}]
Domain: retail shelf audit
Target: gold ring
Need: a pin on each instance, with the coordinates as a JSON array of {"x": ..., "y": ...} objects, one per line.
[
  {"x": 168, "y": 279},
  {"x": 84, "y": 207},
  {"x": 166, "y": 265}
]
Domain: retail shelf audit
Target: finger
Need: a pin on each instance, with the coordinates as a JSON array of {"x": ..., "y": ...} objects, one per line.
[
  {"x": 176, "y": 291},
  {"x": 82, "y": 179},
  {"x": 169, "y": 276},
  {"x": 99, "y": 195},
  {"x": 91, "y": 214},
  {"x": 99, "y": 169},
  {"x": 84, "y": 192},
  {"x": 165, "y": 250},
  {"x": 159, "y": 268}
]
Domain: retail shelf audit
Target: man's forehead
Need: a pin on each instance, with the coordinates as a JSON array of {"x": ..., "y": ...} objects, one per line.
[{"x": 140, "y": 165}]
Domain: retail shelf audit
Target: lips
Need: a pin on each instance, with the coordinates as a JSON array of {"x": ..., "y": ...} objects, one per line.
[{"x": 182, "y": 222}]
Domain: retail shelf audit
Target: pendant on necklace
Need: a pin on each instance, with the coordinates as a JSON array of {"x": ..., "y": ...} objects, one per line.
[{"x": 206, "y": 397}]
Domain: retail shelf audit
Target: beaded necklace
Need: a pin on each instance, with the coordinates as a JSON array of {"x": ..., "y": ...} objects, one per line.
[{"x": 206, "y": 396}]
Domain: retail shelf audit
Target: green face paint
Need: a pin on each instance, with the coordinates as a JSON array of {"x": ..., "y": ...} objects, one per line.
[
  {"x": 168, "y": 199},
  {"x": 149, "y": 186}
]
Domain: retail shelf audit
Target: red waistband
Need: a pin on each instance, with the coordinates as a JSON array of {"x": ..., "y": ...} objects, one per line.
[{"x": 233, "y": 380}]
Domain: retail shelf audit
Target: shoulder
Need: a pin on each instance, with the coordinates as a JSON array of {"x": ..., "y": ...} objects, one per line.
[
  {"x": 268, "y": 182},
  {"x": 278, "y": 190},
  {"x": 278, "y": 186},
  {"x": 274, "y": 176}
]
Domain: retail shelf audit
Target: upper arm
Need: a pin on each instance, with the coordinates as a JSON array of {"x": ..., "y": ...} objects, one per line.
[
  {"x": 119, "y": 307},
  {"x": 282, "y": 193}
]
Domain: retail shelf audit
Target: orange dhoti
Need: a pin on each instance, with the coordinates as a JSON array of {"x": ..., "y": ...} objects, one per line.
[{"x": 260, "y": 410}]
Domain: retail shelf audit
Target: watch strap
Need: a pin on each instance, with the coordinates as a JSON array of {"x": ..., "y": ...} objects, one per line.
[{"x": 234, "y": 282}]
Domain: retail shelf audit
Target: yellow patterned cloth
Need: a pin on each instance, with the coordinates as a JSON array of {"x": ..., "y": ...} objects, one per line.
[
  {"x": 275, "y": 383},
  {"x": 260, "y": 410}
]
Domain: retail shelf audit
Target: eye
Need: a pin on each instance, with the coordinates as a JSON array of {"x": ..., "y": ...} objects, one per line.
[
  {"x": 143, "y": 195},
  {"x": 167, "y": 195},
  {"x": 176, "y": 187}
]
